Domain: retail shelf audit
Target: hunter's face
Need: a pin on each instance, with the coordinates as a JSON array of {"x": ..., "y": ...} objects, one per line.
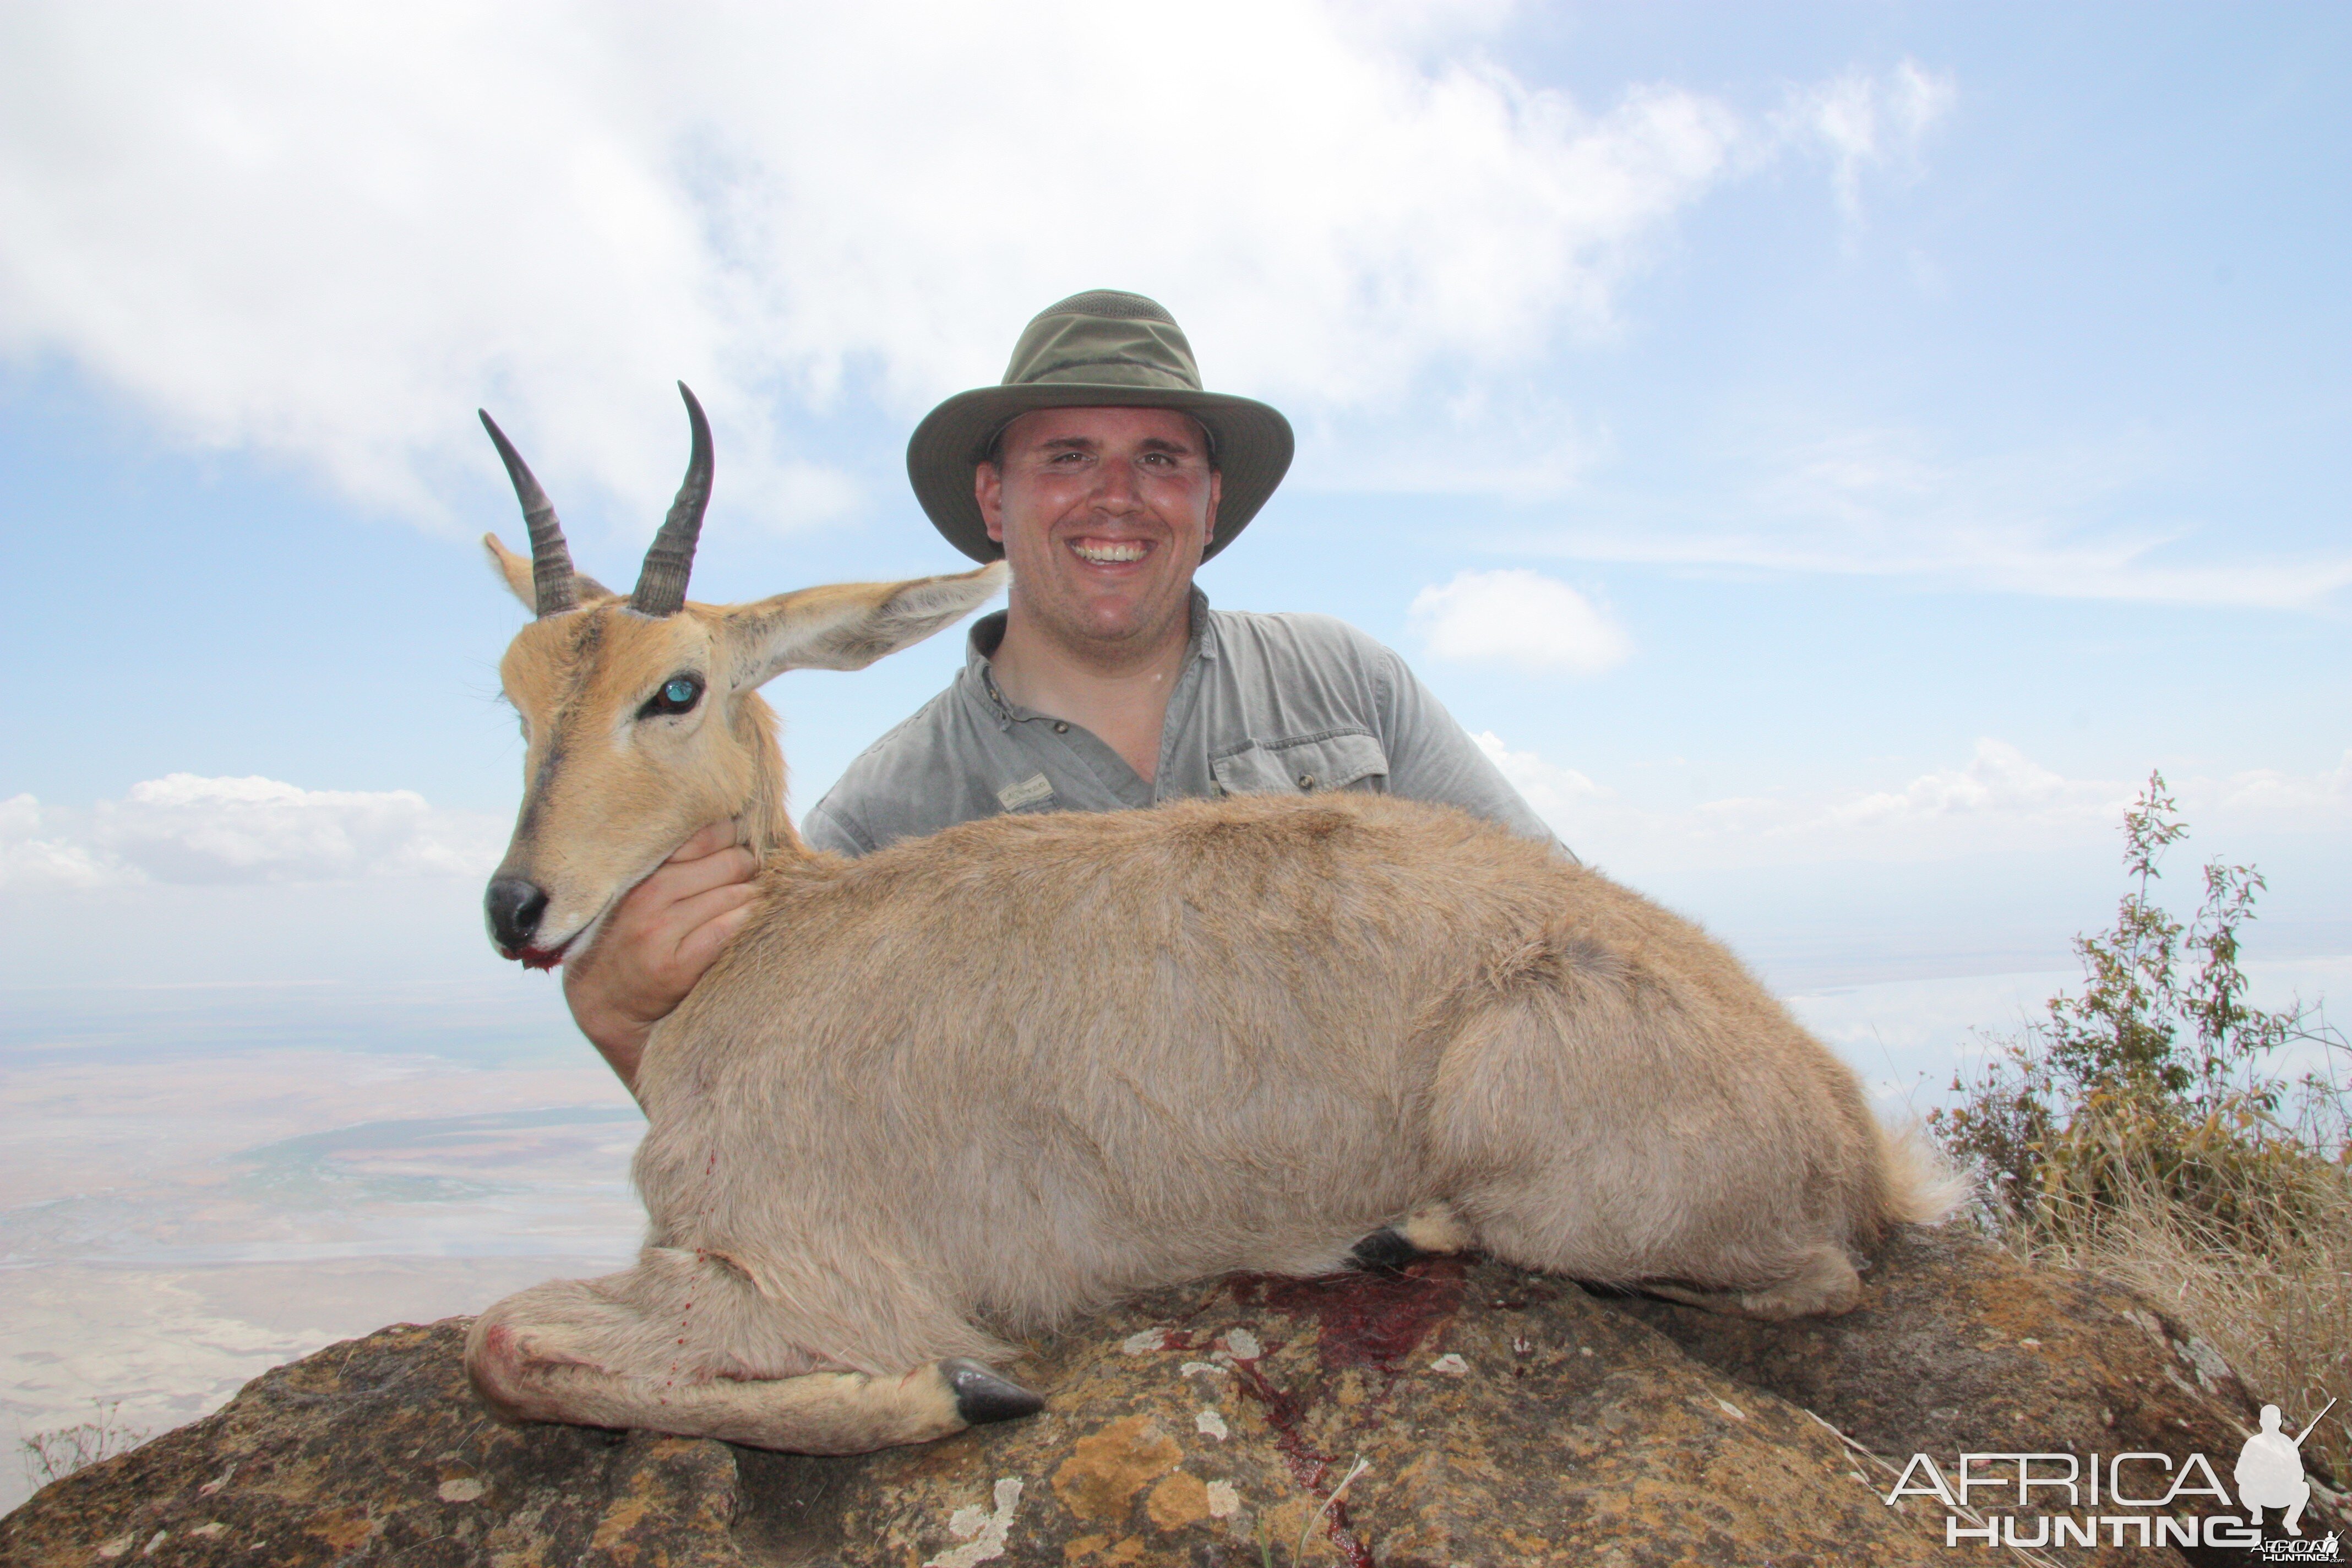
[{"x": 1104, "y": 515}]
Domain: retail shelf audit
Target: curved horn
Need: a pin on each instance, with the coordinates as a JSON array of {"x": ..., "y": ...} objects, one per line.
[
  {"x": 550, "y": 559},
  {"x": 661, "y": 583}
]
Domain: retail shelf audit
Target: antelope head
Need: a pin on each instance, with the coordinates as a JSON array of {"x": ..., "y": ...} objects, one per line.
[{"x": 641, "y": 714}]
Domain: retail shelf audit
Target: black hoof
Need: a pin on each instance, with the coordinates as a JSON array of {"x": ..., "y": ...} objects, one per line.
[
  {"x": 982, "y": 1396},
  {"x": 1384, "y": 1248}
]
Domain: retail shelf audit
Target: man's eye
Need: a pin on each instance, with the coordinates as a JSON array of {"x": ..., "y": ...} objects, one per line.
[{"x": 677, "y": 694}]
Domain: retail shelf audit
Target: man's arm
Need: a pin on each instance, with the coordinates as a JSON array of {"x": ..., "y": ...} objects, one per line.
[
  {"x": 1433, "y": 758},
  {"x": 656, "y": 943}
]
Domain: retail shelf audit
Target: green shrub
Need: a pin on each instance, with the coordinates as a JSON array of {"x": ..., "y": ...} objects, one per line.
[
  {"x": 2142, "y": 1129},
  {"x": 2157, "y": 1077}
]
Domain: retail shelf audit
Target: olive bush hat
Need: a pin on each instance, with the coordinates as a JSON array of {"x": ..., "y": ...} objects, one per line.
[{"x": 1093, "y": 350}]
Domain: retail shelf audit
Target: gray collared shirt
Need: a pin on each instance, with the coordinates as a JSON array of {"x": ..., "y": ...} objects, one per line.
[{"x": 1289, "y": 703}]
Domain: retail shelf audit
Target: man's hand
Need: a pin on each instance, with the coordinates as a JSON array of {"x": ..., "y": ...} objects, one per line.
[{"x": 656, "y": 943}]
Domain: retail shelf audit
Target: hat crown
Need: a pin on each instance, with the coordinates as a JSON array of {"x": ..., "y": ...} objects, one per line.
[{"x": 1104, "y": 338}]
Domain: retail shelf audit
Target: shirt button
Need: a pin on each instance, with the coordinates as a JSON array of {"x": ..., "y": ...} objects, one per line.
[
  {"x": 1306, "y": 781},
  {"x": 1060, "y": 728}
]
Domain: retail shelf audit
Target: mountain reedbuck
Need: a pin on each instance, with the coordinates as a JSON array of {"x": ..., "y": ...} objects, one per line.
[{"x": 972, "y": 1085}]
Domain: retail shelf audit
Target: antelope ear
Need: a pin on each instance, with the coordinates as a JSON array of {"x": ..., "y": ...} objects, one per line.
[
  {"x": 848, "y": 626},
  {"x": 516, "y": 570}
]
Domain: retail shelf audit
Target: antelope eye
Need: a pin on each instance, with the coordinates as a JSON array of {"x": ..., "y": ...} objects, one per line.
[{"x": 677, "y": 694}]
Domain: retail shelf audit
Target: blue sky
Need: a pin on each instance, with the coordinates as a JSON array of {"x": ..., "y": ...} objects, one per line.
[
  {"x": 1831, "y": 453},
  {"x": 1835, "y": 451}
]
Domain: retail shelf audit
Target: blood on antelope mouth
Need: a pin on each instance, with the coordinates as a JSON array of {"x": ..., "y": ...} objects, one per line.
[{"x": 541, "y": 957}]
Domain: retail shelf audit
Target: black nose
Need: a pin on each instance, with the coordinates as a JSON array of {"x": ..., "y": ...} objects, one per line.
[{"x": 514, "y": 907}]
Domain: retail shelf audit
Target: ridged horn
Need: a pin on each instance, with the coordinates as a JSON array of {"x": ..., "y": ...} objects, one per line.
[
  {"x": 551, "y": 559},
  {"x": 661, "y": 583}
]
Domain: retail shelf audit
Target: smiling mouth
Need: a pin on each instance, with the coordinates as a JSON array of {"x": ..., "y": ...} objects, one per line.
[{"x": 1109, "y": 551}]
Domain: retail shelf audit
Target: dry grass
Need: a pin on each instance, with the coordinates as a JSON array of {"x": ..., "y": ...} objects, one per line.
[
  {"x": 2278, "y": 1309},
  {"x": 2146, "y": 1128},
  {"x": 57, "y": 1452}
]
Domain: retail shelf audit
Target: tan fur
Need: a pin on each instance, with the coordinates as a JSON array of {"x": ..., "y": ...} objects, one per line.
[
  {"x": 969, "y": 1086},
  {"x": 607, "y": 795},
  {"x": 1436, "y": 1227}
]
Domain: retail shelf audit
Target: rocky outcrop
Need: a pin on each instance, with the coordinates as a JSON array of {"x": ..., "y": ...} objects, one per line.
[
  {"x": 1959, "y": 1348},
  {"x": 1485, "y": 1415}
]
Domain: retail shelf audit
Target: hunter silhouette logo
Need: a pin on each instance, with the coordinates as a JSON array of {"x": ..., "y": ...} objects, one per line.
[
  {"x": 2137, "y": 1499},
  {"x": 2270, "y": 1471}
]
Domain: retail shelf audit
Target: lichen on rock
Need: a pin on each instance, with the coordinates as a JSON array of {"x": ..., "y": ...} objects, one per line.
[{"x": 1488, "y": 1417}]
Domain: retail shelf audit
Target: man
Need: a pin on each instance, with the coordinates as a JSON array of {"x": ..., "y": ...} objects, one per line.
[{"x": 1105, "y": 475}]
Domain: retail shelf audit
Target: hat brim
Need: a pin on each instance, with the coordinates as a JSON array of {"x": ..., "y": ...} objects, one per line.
[{"x": 1254, "y": 449}]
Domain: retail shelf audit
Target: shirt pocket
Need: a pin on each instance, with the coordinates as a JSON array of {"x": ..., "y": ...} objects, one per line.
[{"x": 1306, "y": 765}]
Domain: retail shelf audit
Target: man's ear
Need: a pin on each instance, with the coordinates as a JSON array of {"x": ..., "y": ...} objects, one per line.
[
  {"x": 516, "y": 570},
  {"x": 848, "y": 626},
  {"x": 987, "y": 494}
]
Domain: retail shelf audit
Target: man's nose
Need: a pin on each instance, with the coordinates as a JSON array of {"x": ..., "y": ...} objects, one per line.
[{"x": 1115, "y": 488}]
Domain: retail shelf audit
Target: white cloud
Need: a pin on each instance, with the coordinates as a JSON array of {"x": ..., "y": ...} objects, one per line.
[
  {"x": 1519, "y": 617},
  {"x": 2000, "y": 800},
  {"x": 329, "y": 232},
  {"x": 1554, "y": 791},
  {"x": 1886, "y": 503},
  {"x": 33, "y": 851},
  {"x": 184, "y": 829},
  {"x": 1999, "y": 779},
  {"x": 1866, "y": 121},
  {"x": 2270, "y": 792}
]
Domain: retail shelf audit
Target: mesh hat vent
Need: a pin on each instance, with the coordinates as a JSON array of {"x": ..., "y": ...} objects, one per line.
[{"x": 1110, "y": 304}]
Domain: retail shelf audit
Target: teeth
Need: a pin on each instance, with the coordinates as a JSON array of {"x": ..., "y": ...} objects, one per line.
[{"x": 1103, "y": 554}]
